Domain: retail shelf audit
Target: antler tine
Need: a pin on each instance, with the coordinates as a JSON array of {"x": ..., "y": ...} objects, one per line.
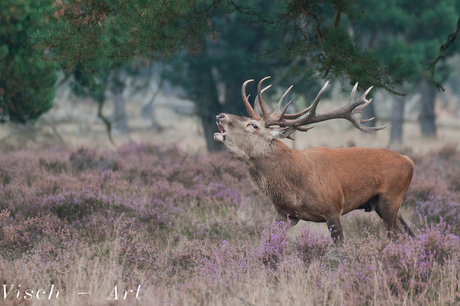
[
  {"x": 311, "y": 108},
  {"x": 366, "y": 92},
  {"x": 317, "y": 99},
  {"x": 366, "y": 120},
  {"x": 305, "y": 128},
  {"x": 251, "y": 112},
  {"x": 256, "y": 101},
  {"x": 265, "y": 114},
  {"x": 299, "y": 114},
  {"x": 284, "y": 111},
  {"x": 362, "y": 100},
  {"x": 353, "y": 93},
  {"x": 277, "y": 110},
  {"x": 366, "y": 129}
]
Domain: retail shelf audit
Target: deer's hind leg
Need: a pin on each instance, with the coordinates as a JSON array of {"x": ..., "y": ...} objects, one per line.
[
  {"x": 334, "y": 224},
  {"x": 403, "y": 226},
  {"x": 387, "y": 209}
]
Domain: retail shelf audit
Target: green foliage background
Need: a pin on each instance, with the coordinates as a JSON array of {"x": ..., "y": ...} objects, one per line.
[
  {"x": 27, "y": 83},
  {"x": 411, "y": 30}
]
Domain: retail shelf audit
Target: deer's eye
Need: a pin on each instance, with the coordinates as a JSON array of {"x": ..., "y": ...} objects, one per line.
[{"x": 254, "y": 126}]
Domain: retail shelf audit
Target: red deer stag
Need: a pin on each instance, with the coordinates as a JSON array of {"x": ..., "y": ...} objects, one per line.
[{"x": 317, "y": 184}]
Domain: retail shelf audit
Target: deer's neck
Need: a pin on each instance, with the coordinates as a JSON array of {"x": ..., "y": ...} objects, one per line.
[{"x": 278, "y": 170}]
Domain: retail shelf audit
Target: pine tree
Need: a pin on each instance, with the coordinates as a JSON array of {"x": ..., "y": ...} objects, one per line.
[
  {"x": 27, "y": 84},
  {"x": 214, "y": 76},
  {"x": 323, "y": 35},
  {"x": 84, "y": 32},
  {"x": 95, "y": 39},
  {"x": 412, "y": 31}
]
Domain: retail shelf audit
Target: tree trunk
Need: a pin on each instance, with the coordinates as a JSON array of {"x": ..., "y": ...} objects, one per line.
[
  {"x": 147, "y": 111},
  {"x": 369, "y": 112},
  {"x": 397, "y": 120},
  {"x": 208, "y": 109},
  {"x": 119, "y": 113},
  {"x": 120, "y": 121},
  {"x": 209, "y": 128},
  {"x": 427, "y": 115}
]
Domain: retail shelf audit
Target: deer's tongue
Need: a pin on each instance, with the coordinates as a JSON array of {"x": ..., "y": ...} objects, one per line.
[{"x": 220, "y": 136}]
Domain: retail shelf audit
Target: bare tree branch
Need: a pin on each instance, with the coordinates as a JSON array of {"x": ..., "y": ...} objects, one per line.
[
  {"x": 432, "y": 65},
  {"x": 107, "y": 122},
  {"x": 305, "y": 13},
  {"x": 337, "y": 16}
]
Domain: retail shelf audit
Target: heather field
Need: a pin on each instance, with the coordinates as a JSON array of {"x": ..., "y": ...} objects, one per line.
[{"x": 148, "y": 225}]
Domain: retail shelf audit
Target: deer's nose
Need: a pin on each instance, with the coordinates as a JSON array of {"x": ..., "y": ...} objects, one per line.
[{"x": 219, "y": 118}]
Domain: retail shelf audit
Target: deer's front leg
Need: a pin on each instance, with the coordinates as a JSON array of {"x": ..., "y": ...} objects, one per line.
[{"x": 291, "y": 221}]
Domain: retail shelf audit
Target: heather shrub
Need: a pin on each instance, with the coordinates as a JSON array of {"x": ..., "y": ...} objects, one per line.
[
  {"x": 191, "y": 229},
  {"x": 440, "y": 209},
  {"x": 83, "y": 159},
  {"x": 422, "y": 189},
  {"x": 54, "y": 166},
  {"x": 5, "y": 176},
  {"x": 434, "y": 193},
  {"x": 438, "y": 243},
  {"x": 311, "y": 245},
  {"x": 274, "y": 244},
  {"x": 23, "y": 236},
  {"x": 363, "y": 248},
  {"x": 448, "y": 152},
  {"x": 403, "y": 268},
  {"x": 436, "y": 174}
]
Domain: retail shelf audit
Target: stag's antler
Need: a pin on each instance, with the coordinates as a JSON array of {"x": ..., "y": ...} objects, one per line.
[{"x": 309, "y": 115}]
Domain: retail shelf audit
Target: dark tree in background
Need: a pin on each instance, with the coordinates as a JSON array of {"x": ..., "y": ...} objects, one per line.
[
  {"x": 412, "y": 31},
  {"x": 322, "y": 35},
  {"x": 95, "y": 39},
  {"x": 27, "y": 83},
  {"x": 94, "y": 86},
  {"x": 213, "y": 77},
  {"x": 117, "y": 85}
]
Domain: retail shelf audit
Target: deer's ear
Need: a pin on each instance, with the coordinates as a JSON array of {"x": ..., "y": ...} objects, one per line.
[{"x": 281, "y": 132}]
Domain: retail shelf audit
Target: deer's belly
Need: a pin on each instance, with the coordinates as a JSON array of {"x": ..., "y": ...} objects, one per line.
[{"x": 294, "y": 207}]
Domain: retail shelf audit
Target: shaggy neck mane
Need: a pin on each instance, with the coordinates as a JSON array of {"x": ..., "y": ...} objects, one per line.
[{"x": 280, "y": 169}]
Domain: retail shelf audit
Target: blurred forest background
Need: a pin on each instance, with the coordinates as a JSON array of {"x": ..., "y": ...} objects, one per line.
[{"x": 103, "y": 73}]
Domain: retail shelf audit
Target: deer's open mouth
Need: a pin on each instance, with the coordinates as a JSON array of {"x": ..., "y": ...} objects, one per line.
[{"x": 220, "y": 136}]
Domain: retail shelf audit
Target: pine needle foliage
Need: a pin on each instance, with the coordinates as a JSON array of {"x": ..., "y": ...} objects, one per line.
[
  {"x": 375, "y": 43},
  {"x": 27, "y": 84},
  {"x": 84, "y": 32}
]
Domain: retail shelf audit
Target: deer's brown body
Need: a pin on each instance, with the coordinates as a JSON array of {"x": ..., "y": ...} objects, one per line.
[{"x": 317, "y": 184}]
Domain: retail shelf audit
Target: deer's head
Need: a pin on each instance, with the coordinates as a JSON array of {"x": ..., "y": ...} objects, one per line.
[{"x": 247, "y": 138}]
